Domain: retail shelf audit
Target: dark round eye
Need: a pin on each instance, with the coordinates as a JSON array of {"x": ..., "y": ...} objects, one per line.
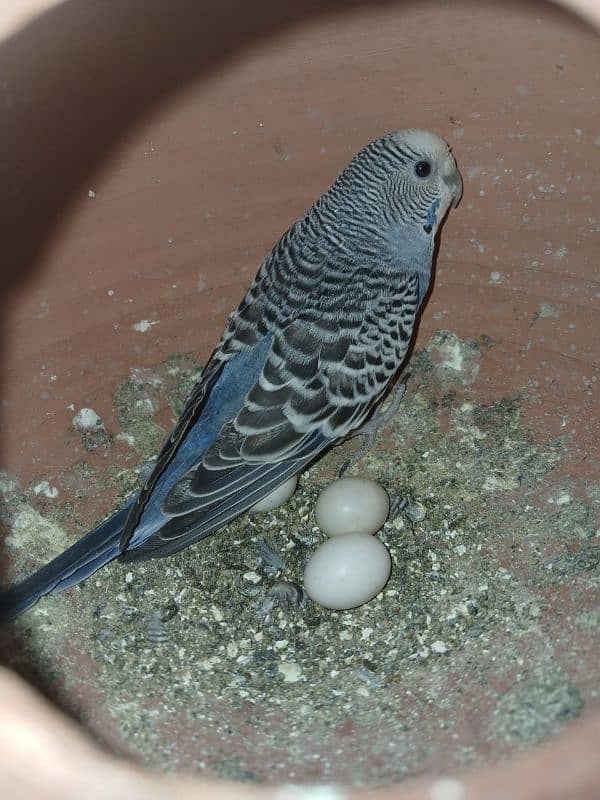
[{"x": 422, "y": 169}]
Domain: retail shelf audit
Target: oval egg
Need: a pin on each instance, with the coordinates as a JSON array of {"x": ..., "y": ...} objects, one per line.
[
  {"x": 347, "y": 571},
  {"x": 277, "y": 497},
  {"x": 352, "y": 505}
]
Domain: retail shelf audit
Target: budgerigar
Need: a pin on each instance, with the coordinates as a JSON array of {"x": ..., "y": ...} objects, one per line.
[{"x": 324, "y": 328}]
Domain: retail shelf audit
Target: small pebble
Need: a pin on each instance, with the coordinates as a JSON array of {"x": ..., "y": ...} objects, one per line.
[
  {"x": 288, "y": 594},
  {"x": 416, "y": 512},
  {"x": 44, "y": 488},
  {"x": 290, "y": 671},
  {"x": 347, "y": 571},
  {"x": 86, "y": 418},
  {"x": 352, "y": 505},
  {"x": 277, "y": 497}
]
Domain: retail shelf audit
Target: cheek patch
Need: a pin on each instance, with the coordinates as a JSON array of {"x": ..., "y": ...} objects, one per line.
[{"x": 431, "y": 217}]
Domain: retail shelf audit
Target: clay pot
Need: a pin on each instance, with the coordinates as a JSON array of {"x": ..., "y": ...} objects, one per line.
[{"x": 157, "y": 244}]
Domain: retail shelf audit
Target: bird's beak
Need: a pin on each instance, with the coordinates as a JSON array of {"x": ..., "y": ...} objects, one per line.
[{"x": 455, "y": 183}]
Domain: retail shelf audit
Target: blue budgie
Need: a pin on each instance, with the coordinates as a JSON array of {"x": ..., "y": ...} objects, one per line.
[{"x": 315, "y": 343}]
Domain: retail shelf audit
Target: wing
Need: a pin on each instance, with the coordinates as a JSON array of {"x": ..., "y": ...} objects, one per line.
[
  {"x": 321, "y": 378},
  {"x": 325, "y": 371},
  {"x": 282, "y": 285},
  {"x": 246, "y": 326}
]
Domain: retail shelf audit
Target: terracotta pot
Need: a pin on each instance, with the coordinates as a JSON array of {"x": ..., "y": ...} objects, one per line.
[{"x": 157, "y": 246}]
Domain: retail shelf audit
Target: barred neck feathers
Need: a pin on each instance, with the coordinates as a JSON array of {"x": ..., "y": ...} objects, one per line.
[{"x": 381, "y": 210}]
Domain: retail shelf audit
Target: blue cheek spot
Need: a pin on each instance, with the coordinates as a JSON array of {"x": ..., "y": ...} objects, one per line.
[{"x": 431, "y": 216}]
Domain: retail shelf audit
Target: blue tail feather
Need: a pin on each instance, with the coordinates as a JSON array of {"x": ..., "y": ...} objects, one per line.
[{"x": 77, "y": 563}]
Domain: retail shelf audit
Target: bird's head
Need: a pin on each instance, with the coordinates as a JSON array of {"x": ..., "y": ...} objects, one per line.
[
  {"x": 423, "y": 180},
  {"x": 399, "y": 188}
]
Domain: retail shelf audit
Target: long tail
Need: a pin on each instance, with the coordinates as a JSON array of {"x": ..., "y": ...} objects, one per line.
[{"x": 77, "y": 563}]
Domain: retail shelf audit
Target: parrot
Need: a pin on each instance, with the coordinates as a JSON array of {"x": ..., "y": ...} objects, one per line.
[{"x": 318, "y": 340}]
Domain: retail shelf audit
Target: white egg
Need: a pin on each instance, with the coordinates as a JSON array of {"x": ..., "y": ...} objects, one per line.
[
  {"x": 347, "y": 571},
  {"x": 352, "y": 505},
  {"x": 277, "y": 497}
]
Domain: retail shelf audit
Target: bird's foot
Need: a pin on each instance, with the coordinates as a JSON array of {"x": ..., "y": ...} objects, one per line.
[{"x": 380, "y": 419}]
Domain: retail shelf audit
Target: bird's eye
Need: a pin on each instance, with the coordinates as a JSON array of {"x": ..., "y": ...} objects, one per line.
[{"x": 422, "y": 169}]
